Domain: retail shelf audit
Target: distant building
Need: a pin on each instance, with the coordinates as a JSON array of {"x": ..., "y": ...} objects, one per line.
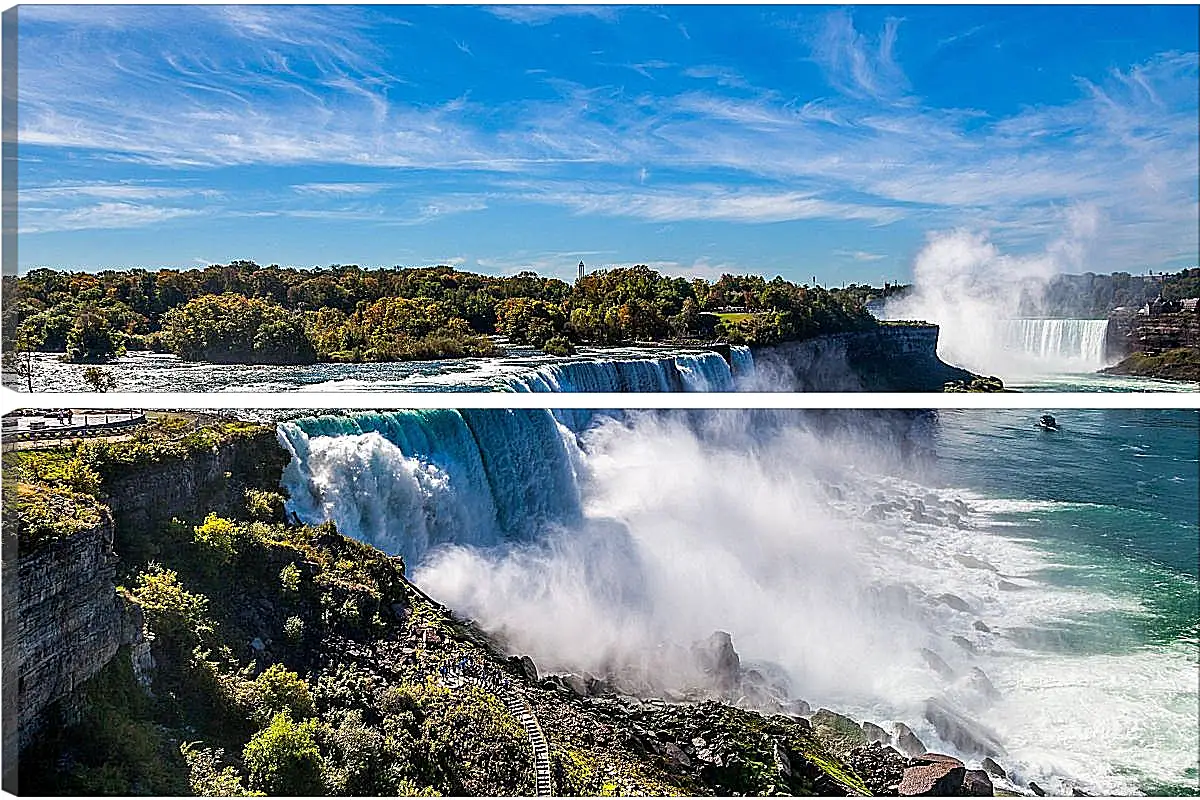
[
  {"x": 582, "y": 271},
  {"x": 1190, "y": 304}
]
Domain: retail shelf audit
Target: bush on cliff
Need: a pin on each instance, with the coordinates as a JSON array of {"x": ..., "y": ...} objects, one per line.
[{"x": 283, "y": 759}]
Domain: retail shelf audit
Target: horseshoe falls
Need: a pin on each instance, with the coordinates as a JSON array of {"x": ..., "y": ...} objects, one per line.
[
  {"x": 838, "y": 549},
  {"x": 1061, "y": 345}
]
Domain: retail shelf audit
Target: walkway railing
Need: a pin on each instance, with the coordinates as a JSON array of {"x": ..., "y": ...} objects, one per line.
[{"x": 455, "y": 677}]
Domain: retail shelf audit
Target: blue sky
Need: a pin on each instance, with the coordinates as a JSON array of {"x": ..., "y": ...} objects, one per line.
[{"x": 796, "y": 140}]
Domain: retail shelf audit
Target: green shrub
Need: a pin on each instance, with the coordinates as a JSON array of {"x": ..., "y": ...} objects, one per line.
[
  {"x": 293, "y": 630},
  {"x": 207, "y": 778},
  {"x": 278, "y": 689},
  {"x": 169, "y": 608},
  {"x": 289, "y": 579},
  {"x": 264, "y": 506},
  {"x": 283, "y": 759},
  {"x": 559, "y": 346},
  {"x": 217, "y": 533}
]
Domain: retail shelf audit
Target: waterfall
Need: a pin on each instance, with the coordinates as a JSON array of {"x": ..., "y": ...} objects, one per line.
[
  {"x": 1071, "y": 345},
  {"x": 407, "y": 481},
  {"x": 688, "y": 372}
]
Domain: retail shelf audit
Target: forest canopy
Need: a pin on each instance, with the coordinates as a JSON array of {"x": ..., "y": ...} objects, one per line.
[{"x": 245, "y": 313}]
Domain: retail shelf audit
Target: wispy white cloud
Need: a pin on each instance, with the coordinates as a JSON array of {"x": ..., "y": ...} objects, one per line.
[
  {"x": 856, "y": 65},
  {"x": 859, "y": 255},
  {"x": 100, "y": 215},
  {"x": 339, "y": 188},
  {"x": 543, "y": 14}
]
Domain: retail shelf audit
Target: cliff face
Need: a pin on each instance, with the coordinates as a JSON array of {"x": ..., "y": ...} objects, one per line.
[
  {"x": 1151, "y": 333},
  {"x": 207, "y": 481},
  {"x": 890, "y": 358},
  {"x": 63, "y": 623}
]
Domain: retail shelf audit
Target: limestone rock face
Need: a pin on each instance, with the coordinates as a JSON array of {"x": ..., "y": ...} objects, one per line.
[
  {"x": 1154, "y": 333},
  {"x": 890, "y": 358},
  {"x": 67, "y": 623}
]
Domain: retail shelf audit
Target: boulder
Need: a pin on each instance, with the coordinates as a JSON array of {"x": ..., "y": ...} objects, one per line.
[
  {"x": 968, "y": 736},
  {"x": 976, "y": 783},
  {"x": 676, "y": 756},
  {"x": 875, "y": 733},
  {"x": 526, "y": 666},
  {"x": 964, "y": 643},
  {"x": 971, "y": 562},
  {"x": 937, "y": 663},
  {"x": 576, "y": 683},
  {"x": 981, "y": 627},
  {"x": 932, "y": 774},
  {"x": 993, "y": 768},
  {"x": 719, "y": 661},
  {"x": 979, "y": 682},
  {"x": 954, "y": 601},
  {"x": 839, "y": 733},
  {"x": 1009, "y": 586},
  {"x": 880, "y": 767},
  {"x": 907, "y": 741},
  {"x": 797, "y": 708},
  {"x": 1039, "y": 791}
]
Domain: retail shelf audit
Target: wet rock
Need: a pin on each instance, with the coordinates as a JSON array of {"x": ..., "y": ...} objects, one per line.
[
  {"x": 880, "y": 767},
  {"x": 964, "y": 643},
  {"x": 1076, "y": 792},
  {"x": 976, "y": 783},
  {"x": 907, "y": 741},
  {"x": 954, "y": 601},
  {"x": 981, "y": 627},
  {"x": 994, "y": 769},
  {"x": 526, "y": 665},
  {"x": 717, "y": 658},
  {"x": 875, "y": 733},
  {"x": 798, "y": 708},
  {"x": 840, "y": 733},
  {"x": 932, "y": 774},
  {"x": 965, "y": 734},
  {"x": 937, "y": 663},
  {"x": 1039, "y": 791},
  {"x": 783, "y": 764},
  {"x": 1008, "y": 586},
  {"x": 576, "y": 683},
  {"x": 971, "y": 562},
  {"x": 980, "y": 683}
]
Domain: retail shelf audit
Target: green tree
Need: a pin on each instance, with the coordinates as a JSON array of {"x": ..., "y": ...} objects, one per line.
[{"x": 283, "y": 759}]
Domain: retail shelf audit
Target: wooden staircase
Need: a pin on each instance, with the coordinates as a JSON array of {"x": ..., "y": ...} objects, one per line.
[{"x": 519, "y": 707}]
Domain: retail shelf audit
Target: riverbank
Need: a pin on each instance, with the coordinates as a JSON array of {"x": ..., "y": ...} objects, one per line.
[{"x": 1177, "y": 364}]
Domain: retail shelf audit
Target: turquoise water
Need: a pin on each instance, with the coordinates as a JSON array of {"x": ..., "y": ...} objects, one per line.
[
  {"x": 1110, "y": 505},
  {"x": 620, "y": 542}
]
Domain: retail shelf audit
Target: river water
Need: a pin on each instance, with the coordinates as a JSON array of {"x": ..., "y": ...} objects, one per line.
[{"x": 837, "y": 552}]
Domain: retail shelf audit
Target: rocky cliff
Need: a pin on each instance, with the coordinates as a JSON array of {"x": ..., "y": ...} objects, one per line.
[
  {"x": 890, "y": 358},
  {"x": 63, "y": 623},
  {"x": 1151, "y": 333},
  {"x": 1155, "y": 345}
]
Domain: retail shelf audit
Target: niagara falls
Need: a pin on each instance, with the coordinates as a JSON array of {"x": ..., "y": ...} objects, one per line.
[{"x": 962, "y": 573}]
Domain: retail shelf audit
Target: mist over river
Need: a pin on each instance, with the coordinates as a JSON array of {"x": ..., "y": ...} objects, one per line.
[{"x": 867, "y": 561}]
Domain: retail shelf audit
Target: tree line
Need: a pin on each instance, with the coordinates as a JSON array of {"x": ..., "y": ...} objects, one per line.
[{"x": 244, "y": 313}]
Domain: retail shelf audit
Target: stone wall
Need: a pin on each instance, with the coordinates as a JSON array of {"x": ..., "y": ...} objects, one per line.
[
  {"x": 1151, "y": 333},
  {"x": 890, "y": 358}
]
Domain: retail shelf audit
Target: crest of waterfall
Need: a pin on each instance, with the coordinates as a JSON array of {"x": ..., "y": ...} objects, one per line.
[
  {"x": 408, "y": 481},
  {"x": 689, "y": 372},
  {"x": 1075, "y": 345}
]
